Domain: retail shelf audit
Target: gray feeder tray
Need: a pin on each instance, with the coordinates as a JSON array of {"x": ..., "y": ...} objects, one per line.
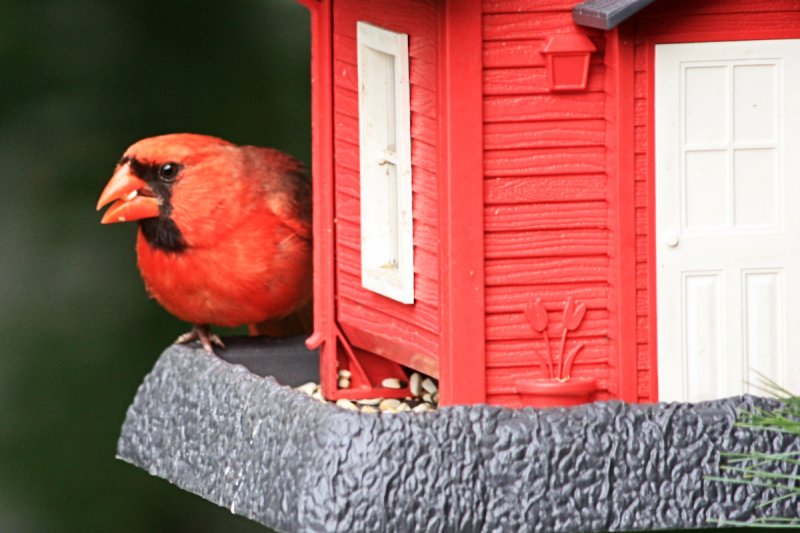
[{"x": 283, "y": 459}]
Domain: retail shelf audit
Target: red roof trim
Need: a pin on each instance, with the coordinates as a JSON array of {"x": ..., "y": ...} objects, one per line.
[{"x": 606, "y": 14}]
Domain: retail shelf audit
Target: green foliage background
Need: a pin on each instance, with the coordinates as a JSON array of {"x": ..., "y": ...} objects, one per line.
[{"x": 80, "y": 80}]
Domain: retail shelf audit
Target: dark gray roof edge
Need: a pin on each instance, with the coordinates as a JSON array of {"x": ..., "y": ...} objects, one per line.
[{"x": 606, "y": 14}]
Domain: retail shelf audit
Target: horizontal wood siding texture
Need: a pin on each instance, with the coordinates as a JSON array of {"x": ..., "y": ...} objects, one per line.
[
  {"x": 408, "y": 330},
  {"x": 546, "y": 195},
  {"x": 679, "y": 21}
]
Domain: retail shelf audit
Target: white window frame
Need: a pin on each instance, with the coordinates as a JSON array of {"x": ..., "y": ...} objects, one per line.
[{"x": 387, "y": 248}]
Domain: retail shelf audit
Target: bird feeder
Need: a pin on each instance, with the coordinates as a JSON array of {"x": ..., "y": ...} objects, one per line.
[
  {"x": 567, "y": 61},
  {"x": 535, "y": 237}
]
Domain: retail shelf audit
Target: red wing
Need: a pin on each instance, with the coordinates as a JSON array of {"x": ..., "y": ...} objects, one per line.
[{"x": 286, "y": 187}]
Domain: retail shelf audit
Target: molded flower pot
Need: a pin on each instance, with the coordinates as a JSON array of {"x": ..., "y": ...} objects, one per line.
[{"x": 555, "y": 393}]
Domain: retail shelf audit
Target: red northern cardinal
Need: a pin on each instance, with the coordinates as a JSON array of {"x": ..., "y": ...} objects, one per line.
[{"x": 224, "y": 230}]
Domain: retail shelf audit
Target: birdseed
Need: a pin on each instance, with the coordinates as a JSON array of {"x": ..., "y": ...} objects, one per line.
[
  {"x": 415, "y": 384},
  {"x": 392, "y": 383},
  {"x": 420, "y": 400},
  {"x": 429, "y": 385}
]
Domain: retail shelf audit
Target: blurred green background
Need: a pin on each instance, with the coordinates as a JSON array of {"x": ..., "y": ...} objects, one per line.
[{"x": 80, "y": 80}]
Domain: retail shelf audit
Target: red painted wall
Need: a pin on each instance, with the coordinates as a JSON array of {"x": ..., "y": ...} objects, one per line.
[
  {"x": 405, "y": 333},
  {"x": 679, "y": 21},
  {"x": 567, "y": 185},
  {"x": 568, "y": 182},
  {"x": 546, "y": 196}
]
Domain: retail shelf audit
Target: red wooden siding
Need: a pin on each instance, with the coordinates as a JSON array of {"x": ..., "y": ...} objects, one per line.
[
  {"x": 405, "y": 333},
  {"x": 680, "y": 21},
  {"x": 643, "y": 223},
  {"x": 546, "y": 196}
]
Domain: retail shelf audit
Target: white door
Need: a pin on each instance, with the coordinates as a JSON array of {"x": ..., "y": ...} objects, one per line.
[{"x": 727, "y": 119}]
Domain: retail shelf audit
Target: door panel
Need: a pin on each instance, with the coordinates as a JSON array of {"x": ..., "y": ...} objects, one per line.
[
  {"x": 702, "y": 321},
  {"x": 727, "y": 216}
]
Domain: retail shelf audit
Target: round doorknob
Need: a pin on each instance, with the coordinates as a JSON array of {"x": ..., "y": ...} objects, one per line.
[{"x": 671, "y": 238}]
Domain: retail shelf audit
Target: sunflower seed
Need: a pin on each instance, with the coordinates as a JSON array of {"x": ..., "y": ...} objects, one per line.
[
  {"x": 392, "y": 383},
  {"x": 429, "y": 385},
  {"x": 347, "y": 404},
  {"x": 344, "y": 373},
  {"x": 415, "y": 384},
  {"x": 389, "y": 403},
  {"x": 308, "y": 388},
  {"x": 370, "y": 401},
  {"x": 344, "y": 383}
]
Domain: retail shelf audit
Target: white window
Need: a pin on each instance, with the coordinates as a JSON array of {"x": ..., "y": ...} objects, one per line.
[{"x": 387, "y": 250}]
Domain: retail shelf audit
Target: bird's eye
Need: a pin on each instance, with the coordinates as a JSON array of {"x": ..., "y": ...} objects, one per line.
[{"x": 168, "y": 171}]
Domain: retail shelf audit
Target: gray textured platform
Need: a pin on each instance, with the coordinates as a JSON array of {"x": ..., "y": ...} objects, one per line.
[
  {"x": 606, "y": 14},
  {"x": 294, "y": 464}
]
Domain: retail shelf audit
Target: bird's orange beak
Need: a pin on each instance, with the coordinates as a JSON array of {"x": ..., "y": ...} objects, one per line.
[{"x": 134, "y": 199}]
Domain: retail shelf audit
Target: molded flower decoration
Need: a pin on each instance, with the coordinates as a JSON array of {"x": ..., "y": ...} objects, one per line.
[{"x": 573, "y": 315}]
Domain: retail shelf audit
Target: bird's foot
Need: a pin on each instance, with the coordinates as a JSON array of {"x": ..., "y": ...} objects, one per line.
[{"x": 206, "y": 338}]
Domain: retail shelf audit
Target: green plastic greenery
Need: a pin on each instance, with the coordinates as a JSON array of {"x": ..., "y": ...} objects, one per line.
[{"x": 759, "y": 469}]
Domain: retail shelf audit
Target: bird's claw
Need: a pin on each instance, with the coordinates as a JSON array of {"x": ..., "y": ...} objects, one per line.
[{"x": 202, "y": 334}]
